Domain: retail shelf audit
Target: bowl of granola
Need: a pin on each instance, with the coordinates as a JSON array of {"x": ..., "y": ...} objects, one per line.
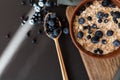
[{"x": 95, "y": 27}]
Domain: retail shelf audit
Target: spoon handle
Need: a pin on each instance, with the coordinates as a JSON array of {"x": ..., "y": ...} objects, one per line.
[{"x": 62, "y": 66}]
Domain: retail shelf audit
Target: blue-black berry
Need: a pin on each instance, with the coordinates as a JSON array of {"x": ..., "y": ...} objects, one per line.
[
  {"x": 99, "y": 34},
  {"x": 100, "y": 15},
  {"x": 104, "y": 41},
  {"x": 89, "y": 18},
  {"x": 106, "y": 21},
  {"x": 81, "y": 20},
  {"x": 94, "y": 26},
  {"x": 95, "y": 39},
  {"x": 110, "y": 33},
  {"x": 80, "y": 34},
  {"x": 99, "y": 20},
  {"x": 116, "y": 43}
]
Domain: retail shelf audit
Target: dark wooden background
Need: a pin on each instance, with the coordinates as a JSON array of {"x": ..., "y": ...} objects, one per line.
[{"x": 38, "y": 61}]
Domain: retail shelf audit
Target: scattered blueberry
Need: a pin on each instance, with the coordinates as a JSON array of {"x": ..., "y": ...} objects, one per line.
[
  {"x": 99, "y": 34},
  {"x": 53, "y": 15},
  {"x": 28, "y": 33},
  {"x": 80, "y": 34},
  {"x": 23, "y": 2},
  {"x": 34, "y": 40},
  {"x": 95, "y": 39},
  {"x": 65, "y": 30},
  {"x": 110, "y": 33},
  {"x": 81, "y": 20},
  {"x": 116, "y": 43},
  {"x": 49, "y": 3},
  {"x": 104, "y": 41},
  {"x": 89, "y": 18},
  {"x": 106, "y": 21}
]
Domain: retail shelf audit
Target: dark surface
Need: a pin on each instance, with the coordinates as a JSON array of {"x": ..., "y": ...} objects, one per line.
[{"x": 37, "y": 61}]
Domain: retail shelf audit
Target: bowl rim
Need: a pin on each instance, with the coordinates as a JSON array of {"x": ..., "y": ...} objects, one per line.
[{"x": 79, "y": 47}]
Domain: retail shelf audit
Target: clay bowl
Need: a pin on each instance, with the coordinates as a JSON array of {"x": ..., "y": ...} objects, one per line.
[{"x": 80, "y": 48}]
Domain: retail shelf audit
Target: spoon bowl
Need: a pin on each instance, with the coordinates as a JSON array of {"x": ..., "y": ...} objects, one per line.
[{"x": 57, "y": 32}]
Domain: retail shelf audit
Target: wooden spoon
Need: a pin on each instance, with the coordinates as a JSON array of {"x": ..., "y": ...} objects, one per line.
[{"x": 62, "y": 65}]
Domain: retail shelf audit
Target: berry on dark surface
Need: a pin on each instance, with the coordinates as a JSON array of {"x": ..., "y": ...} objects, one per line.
[
  {"x": 94, "y": 26},
  {"x": 99, "y": 34},
  {"x": 8, "y": 35},
  {"x": 106, "y": 21},
  {"x": 100, "y": 15},
  {"x": 89, "y": 18},
  {"x": 98, "y": 51},
  {"x": 99, "y": 20},
  {"x": 81, "y": 20},
  {"x": 116, "y": 43},
  {"x": 80, "y": 34},
  {"x": 89, "y": 37},
  {"x": 34, "y": 40},
  {"x": 104, "y": 41},
  {"x": 95, "y": 39},
  {"x": 110, "y": 33},
  {"x": 65, "y": 30},
  {"x": 28, "y": 33},
  {"x": 23, "y": 2},
  {"x": 83, "y": 8},
  {"x": 49, "y": 3}
]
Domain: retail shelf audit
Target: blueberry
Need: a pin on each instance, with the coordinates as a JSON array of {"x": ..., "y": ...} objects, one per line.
[
  {"x": 23, "y": 2},
  {"x": 34, "y": 40},
  {"x": 49, "y": 3},
  {"x": 40, "y": 3},
  {"x": 65, "y": 30},
  {"x": 106, "y": 21},
  {"x": 100, "y": 15},
  {"x": 115, "y": 20},
  {"x": 85, "y": 27},
  {"x": 95, "y": 39},
  {"x": 104, "y": 41},
  {"x": 8, "y": 35},
  {"x": 31, "y": 2},
  {"x": 56, "y": 32},
  {"x": 99, "y": 34},
  {"x": 98, "y": 51},
  {"x": 80, "y": 34},
  {"x": 28, "y": 33},
  {"x": 116, "y": 14},
  {"x": 89, "y": 18},
  {"x": 106, "y": 15},
  {"x": 53, "y": 15},
  {"x": 51, "y": 23},
  {"x": 89, "y": 37},
  {"x": 88, "y": 4},
  {"x": 110, "y": 33},
  {"x": 83, "y": 8},
  {"x": 116, "y": 43},
  {"x": 105, "y": 3},
  {"x": 94, "y": 26},
  {"x": 100, "y": 21},
  {"x": 81, "y": 20},
  {"x": 112, "y": 5}
]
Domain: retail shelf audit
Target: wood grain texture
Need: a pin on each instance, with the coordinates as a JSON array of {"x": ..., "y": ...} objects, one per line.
[{"x": 98, "y": 69}]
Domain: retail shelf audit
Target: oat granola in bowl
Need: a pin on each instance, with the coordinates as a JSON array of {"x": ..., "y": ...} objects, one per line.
[{"x": 95, "y": 27}]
